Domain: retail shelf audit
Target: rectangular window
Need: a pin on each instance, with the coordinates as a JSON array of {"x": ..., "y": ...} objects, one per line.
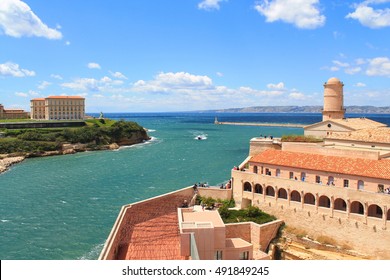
[
  {"x": 244, "y": 255},
  {"x": 346, "y": 183},
  {"x": 291, "y": 175},
  {"x": 218, "y": 255},
  {"x": 381, "y": 188},
  {"x": 318, "y": 179}
]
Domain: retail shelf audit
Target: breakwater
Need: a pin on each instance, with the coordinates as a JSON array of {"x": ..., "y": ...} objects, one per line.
[{"x": 261, "y": 124}]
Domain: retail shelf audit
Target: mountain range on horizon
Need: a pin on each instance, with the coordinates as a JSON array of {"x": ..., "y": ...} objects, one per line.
[{"x": 301, "y": 109}]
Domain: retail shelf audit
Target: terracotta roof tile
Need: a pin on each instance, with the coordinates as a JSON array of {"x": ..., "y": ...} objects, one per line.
[
  {"x": 334, "y": 164},
  {"x": 376, "y": 135},
  {"x": 358, "y": 123}
]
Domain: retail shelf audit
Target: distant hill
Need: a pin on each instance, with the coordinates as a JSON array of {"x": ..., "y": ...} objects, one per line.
[{"x": 303, "y": 109}]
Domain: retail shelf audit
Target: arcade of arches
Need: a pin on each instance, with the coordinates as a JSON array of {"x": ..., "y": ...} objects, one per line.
[{"x": 358, "y": 208}]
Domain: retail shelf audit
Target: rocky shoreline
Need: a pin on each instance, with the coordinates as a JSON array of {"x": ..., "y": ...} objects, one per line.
[{"x": 7, "y": 160}]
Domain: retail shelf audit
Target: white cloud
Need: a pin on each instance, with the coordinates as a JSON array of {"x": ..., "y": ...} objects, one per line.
[
  {"x": 44, "y": 85},
  {"x": 379, "y": 66},
  {"x": 118, "y": 75},
  {"x": 340, "y": 64},
  {"x": 93, "y": 65},
  {"x": 352, "y": 70},
  {"x": 219, "y": 74},
  {"x": 359, "y": 84},
  {"x": 279, "y": 86},
  {"x": 297, "y": 96},
  {"x": 370, "y": 17},
  {"x": 209, "y": 5},
  {"x": 13, "y": 70},
  {"x": 21, "y": 94},
  {"x": 55, "y": 76},
  {"x": 91, "y": 84},
  {"x": 301, "y": 13},
  {"x": 29, "y": 93},
  {"x": 345, "y": 66},
  {"x": 18, "y": 20}
]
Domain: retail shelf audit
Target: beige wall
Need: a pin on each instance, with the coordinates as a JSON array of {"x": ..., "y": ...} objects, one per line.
[
  {"x": 215, "y": 193},
  {"x": 364, "y": 232},
  {"x": 258, "y": 145}
]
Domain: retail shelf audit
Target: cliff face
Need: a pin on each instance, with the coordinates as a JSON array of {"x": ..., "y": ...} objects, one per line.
[{"x": 126, "y": 139}]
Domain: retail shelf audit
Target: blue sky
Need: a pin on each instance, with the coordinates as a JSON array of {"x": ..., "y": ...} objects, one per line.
[{"x": 181, "y": 55}]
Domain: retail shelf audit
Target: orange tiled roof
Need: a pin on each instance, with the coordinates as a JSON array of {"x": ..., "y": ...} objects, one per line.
[
  {"x": 377, "y": 135},
  {"x": 38, "y": 99},
  {"x": 334, "y": 164},
  {"x": 64, "y": 97},
  {"x": 358, "y": 123}
]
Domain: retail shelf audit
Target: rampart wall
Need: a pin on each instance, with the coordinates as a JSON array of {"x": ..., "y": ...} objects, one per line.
[{"x": 132, "y": 214}]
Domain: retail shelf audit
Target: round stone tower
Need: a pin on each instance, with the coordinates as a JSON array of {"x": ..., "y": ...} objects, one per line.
[{"x": 333, "y": 100}]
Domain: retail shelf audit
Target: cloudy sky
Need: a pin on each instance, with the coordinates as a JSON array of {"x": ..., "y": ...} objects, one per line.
[{"x": 181, "y": 55}]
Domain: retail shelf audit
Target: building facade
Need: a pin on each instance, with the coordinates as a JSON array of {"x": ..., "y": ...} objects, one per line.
[
  {"x": 333, "y": 114},
  {"x": 12, "y": 113},
  {"x": 58, "y": 108}
]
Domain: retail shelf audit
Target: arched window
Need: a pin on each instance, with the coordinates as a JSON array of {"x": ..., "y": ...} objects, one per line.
[
  {"x": 295, "y": 196},
  {"x": 258, "y": 189},
  {"x": 360, "y": 185},
  {"x": 375, "y": 211},
  {"x": 357, "y": 207},
  {"x": 388, "y": 215},
  {"x": 282, "y": 193},
  {"x": 340, "y": 204},
  {"x": 247, "y": 187},
  {"x": 269, "y": 191},
  {"x": 309, "y": 199},
  {"x": 324, "y": 201}
]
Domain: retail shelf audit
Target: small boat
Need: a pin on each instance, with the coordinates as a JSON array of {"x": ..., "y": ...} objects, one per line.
[{"x": 201, "y": 137}]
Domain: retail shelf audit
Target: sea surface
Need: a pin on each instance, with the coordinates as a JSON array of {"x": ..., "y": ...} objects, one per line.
[{"x": 63, "y": 207}]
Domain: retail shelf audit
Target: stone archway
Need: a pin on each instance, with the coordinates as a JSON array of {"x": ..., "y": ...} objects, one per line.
[
  {"x": 295, "y": 196},
  {"x": 357, "y": 207},
  {"x": 374, "y": 211},
  {"x": 324, "y": 201},
  {"x": 269, "y": 191},
  {"x": 258, "y": 188},
  {"x": 309, "y": 199},
  {"x": 247, "y": 187},
  {"x": 282, "y": 193},
  {"x": 340, "y": 204}
]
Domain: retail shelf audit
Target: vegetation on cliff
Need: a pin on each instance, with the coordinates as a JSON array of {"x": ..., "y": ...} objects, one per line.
[
  {"x": 95, "y": 134},
  {"x": 300, "y": 138}
]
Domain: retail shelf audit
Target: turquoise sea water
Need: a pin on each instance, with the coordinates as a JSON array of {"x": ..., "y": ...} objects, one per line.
[{"x": 63, "y": 207}]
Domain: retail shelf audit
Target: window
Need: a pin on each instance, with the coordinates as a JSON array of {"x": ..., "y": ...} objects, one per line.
[
  {"x": 346, "y": 183},
  {"x": 255, "y": 169},
  {"x": 303, "y": 176},
  {"x": 360, "y": 185},
  {"x": 330, "y": 181},
  {"x": 218, "y": 255},
  {"x": 278, "y": 172},
  {"x": 318, "y": 179},
  {"x": 244, "y": 255},
  {"x": 381, "y": 188},
  {"x": 291, "y": 175}
]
